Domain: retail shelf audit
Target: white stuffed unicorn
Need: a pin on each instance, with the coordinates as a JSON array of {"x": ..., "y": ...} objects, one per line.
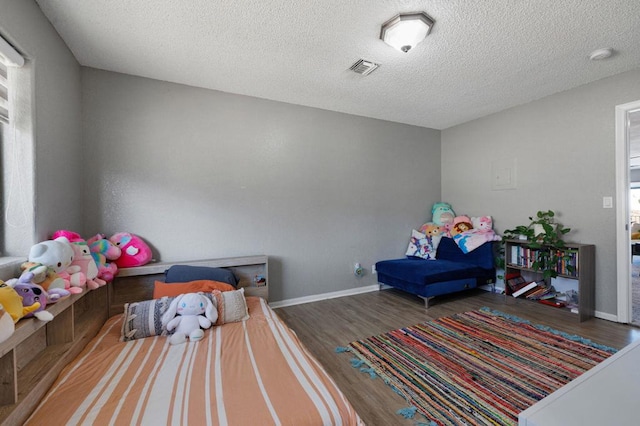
[{"x": 194, "y": 312}]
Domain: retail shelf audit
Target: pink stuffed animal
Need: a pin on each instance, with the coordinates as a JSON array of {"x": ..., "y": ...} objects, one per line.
[
  {"x": 104, "y": 251},
  {"x": 135, "y": 252},
  {"x": 88, "y": 267},
  {"x": 460, "y": 224},
  {"x": 82, "y": 258},
  {"x": 69, "y": 235}
]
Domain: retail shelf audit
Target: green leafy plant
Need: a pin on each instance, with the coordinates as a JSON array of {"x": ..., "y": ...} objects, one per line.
[{"x": 545, "y": 236}]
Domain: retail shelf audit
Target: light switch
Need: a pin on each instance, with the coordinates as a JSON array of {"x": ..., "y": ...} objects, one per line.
[{"x": 607, "y": 202}]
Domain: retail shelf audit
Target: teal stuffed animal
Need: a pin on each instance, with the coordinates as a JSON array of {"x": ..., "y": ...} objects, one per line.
[{"x": 442, "y": 214}]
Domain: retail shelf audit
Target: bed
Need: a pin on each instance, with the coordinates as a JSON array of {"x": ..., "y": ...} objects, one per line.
[{"x": 246, "y": 372}]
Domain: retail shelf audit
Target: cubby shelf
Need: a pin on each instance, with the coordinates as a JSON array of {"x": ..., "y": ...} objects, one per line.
[
  {"x": 33, "y": 356},
  {"x": 584, "y": 273}
]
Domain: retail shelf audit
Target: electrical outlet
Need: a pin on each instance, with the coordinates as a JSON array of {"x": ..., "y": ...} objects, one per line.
[{"x": 373, "y": 269}]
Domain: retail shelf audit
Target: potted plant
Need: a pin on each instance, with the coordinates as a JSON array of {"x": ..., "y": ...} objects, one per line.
[{"x": 544, "y": 236}]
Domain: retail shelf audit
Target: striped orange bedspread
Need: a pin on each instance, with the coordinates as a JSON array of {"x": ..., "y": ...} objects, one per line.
[{"x": 254, "y": 372}]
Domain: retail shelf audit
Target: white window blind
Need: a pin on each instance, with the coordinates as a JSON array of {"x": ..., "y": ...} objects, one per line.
[{"x": 9, "y": 57}]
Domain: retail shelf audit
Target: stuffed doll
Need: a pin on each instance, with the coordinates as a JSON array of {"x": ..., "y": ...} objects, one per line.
[
  {"x": 43, "y": 275},
  {"x": 135, "y": 252},
  {"x": 460, "y": 224},
  {"x": 187, "y": 315},
  {"x": 443, "y": 216},
  {"x": 84, "y": 260},
  {"x": 482, "y": 223},
  {"x": 69, "y": 235},
  {"x": 431, "y": 229},
  {"x": 58, "y": 255},
  {"x": 31, "y": 295},
  {"x": 12, "y": 303},
  {"x": 104, "y": 253}
]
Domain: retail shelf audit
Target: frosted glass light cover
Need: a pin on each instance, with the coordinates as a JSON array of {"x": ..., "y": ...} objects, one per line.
[{"x": 404, "y": 32}]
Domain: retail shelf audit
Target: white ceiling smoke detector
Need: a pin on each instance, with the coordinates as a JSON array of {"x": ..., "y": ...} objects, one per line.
[{"x": 600, "y": 54}]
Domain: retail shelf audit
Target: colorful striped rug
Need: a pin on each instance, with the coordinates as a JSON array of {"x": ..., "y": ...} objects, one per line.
[{"x": 479, "y": 367}]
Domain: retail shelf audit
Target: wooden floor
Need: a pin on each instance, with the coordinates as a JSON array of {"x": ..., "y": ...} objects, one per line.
[{"x": 323, "y": 326}]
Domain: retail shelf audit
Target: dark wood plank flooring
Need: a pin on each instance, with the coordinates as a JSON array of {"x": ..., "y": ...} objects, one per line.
[{"x": 322, "y": 326}]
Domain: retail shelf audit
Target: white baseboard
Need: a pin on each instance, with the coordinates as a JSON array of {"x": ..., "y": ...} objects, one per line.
[
  {"x": 606, "y": 316},
  {"x": 376, "y": 287},
  {"x": 324, "y": 296}
]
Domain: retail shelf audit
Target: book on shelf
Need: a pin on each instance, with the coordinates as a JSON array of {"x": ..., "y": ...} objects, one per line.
[
  {"x": 542, "y": 292},
  {"x": 525, "y": 289},
  {"x": 525, "y": 257},
  {"x": 536, "y": 292},
  {"x": 553, "y": 302},
  {"x": 515, "y": 282}
]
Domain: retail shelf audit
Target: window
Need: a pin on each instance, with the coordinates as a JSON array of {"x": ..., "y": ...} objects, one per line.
[
  {"x": 4, "y": 92},
  {"x": 8, "y": 57},
  {"x": 10, "y": 135}
]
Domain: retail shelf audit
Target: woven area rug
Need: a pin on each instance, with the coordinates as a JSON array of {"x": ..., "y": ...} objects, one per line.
[{"x": 479, "y": 367}]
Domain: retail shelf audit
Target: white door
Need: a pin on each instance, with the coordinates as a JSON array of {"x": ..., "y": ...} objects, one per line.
[{"x": 627, "y": 154}]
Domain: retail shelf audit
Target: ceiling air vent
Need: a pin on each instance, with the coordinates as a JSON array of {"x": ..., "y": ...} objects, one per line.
[{"x": 364, "y": 67}]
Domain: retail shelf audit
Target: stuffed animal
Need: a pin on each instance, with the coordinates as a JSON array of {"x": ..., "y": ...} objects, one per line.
[
  {"x": 460, "y": 224},
  {"x": 31, "y": 295},
  {"x": 104, "y": 251},
  {"x": 187, "y": 315},
  {"x": 482, "y": 223},
  {"x": 7, "y": 327},
  {"x": 443, "y": 216},
  {"x": 12, "y": 303},
  {"x": 84, "y": 260},
  {"x": 135, "y": 252},
  {"x": 431, "y": 228},
  {"x": 58, "y": 255},
  {"x": 69, "y": 235},
  {"x": 44, "y": 275}
]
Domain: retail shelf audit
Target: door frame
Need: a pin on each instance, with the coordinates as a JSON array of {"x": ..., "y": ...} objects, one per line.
[{"x": 623, "y": 237}]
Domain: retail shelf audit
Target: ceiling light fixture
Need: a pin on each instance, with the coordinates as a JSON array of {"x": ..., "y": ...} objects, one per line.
[{"x": 405, "y": 31}]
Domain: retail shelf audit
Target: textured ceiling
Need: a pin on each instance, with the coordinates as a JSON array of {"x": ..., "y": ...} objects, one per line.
[{"x": 480, "y": 58}]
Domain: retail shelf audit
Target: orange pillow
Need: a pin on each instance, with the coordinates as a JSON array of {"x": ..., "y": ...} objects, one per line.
[{"x": 161, "y": 289}]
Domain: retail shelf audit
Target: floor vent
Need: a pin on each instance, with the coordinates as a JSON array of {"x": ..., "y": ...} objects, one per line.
[{"x": 364, "y": 67}]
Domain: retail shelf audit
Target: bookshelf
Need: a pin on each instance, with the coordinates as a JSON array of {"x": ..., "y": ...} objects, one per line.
[{"x": 519, "y": 257}]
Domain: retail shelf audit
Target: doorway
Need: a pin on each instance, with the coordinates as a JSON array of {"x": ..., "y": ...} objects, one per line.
[{"x": 628, "y": 211}]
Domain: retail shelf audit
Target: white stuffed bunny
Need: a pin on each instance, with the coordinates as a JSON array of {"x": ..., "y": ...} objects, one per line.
[{"x": 190, "y": 309}]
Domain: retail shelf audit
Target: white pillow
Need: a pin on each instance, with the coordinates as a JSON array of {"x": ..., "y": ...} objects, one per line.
[
  {"x": 421, "y": 245},
  {"x": 232, "y": 306}
]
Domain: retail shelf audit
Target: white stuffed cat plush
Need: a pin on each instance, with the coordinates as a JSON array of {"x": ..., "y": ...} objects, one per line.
[{"x": 187, "y": 315}]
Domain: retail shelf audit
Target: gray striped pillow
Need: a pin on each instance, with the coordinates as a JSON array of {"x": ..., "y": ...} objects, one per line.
[{"x": 143, "y": 319}]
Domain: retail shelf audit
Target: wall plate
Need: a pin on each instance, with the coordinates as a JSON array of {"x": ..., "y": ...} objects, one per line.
[{"x": 503, "y": 174}]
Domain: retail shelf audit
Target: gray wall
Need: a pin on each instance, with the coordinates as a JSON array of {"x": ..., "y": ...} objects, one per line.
[
  {"x": 564, "y": 146},
  {"x": 49, "y": 131},
  {"x": 205, "y": 174}
]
